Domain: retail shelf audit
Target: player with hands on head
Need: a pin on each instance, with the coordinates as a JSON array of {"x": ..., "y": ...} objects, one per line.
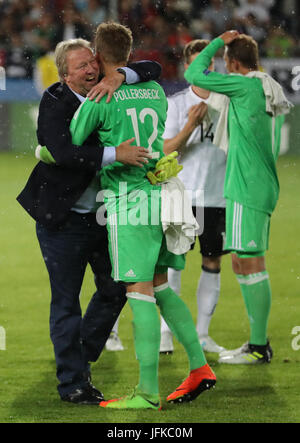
[{"x": 251, "y": 129}]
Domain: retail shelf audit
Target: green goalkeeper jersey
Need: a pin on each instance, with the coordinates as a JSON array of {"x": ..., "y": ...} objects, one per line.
[
  {"x": 138, "y": 111},
  {"x": 254, "y": 135}
]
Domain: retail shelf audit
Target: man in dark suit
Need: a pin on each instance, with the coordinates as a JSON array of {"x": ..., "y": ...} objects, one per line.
[{"x": 62, "y": 200}]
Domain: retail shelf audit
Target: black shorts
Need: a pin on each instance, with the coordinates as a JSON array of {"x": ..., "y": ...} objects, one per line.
[{"x": 212, "y": 238}]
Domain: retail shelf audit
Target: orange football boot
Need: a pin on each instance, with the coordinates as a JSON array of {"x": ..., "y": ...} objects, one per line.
[{"x": 198, "y": 381}]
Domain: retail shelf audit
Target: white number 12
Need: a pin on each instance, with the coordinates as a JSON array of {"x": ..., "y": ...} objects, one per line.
[{"x": 134, "y": 120}]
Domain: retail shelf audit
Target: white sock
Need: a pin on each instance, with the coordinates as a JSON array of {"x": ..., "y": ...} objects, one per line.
[
  {"x": 208, "y": 292},
  {"x": 115, "y": 328},
  {"x": 174, "y": 280}
]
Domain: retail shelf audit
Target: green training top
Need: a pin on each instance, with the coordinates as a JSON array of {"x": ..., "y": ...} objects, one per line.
[
  {"x": 254, "y": 135},
  {"x": 138, "y": 111}
]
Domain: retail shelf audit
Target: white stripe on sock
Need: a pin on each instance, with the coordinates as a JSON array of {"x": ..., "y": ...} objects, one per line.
[
  {"x": 252, "y": 279},
  {"x": 142, "y": 297},
  {"x": 161, "y": 287}
]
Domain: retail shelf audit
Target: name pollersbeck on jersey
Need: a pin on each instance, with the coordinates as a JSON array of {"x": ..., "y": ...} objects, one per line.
[{"x": 141, "y": 93}]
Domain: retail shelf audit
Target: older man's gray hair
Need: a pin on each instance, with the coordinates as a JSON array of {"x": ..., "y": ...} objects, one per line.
[{"x": 62, "y": 50}]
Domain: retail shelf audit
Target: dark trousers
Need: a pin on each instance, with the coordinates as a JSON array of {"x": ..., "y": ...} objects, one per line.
[{"x": 76, "y": 340}]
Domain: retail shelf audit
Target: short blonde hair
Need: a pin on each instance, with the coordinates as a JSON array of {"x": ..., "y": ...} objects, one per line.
[
  {"x": 62, "y": 50},
  {"x": 194, "y": 47},
  {"x": 114, "y": 42}
]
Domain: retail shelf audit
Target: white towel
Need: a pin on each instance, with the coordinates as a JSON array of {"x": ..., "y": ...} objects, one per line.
[
  {"x": 276, "y": 101},
  {"x": 178, "y": 221},
  {"x": 220, "y": 103},
  {"x": 276, "y": 104}
]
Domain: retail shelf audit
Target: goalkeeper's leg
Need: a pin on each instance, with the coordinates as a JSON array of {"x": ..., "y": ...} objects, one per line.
[
  {"x": 146, "y": 328},
  {"x": 179, "y": 319},
  {"x": 256, "y": 290}
]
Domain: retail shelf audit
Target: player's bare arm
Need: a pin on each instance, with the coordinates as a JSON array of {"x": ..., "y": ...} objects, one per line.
[
  {"x": 131, "y": 155},
  {"x": 107, "y": 85},
  {"x": 196, "y": 115}
]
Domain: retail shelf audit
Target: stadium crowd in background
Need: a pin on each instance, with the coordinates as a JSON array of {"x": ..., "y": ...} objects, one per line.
[{"x": 29, "y": 29}]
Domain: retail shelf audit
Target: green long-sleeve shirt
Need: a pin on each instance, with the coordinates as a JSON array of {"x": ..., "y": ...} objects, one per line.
[{"x": 254, "y": 135}]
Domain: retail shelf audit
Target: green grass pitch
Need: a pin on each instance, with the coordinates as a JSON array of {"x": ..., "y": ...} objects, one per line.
[{"x": 267, "y": 393}]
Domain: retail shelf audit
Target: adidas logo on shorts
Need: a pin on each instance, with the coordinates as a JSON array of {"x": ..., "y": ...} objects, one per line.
[
  {"x": 130, "y": 273},
  {"x": 252, "y": 244}
]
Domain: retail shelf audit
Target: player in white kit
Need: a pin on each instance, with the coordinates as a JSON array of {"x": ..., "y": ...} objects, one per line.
[{"x": 190, "y": 127}]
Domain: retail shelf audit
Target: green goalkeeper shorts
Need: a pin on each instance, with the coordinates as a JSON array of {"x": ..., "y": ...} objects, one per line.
[
  {"x": 138, "y": 251},
  {"x": 247, "y": 230}
]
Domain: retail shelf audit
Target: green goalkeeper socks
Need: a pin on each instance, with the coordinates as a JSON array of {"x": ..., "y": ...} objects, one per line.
[
  {"x": 256, "y": 292},
  {"x": 146, "y": 329},
  {"x": 146, "y": 326},
  {"x": 180, "y": 321}
]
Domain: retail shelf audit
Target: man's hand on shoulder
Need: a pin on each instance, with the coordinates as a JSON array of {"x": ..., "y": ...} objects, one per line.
[
  {"x": 132, "y": 155},
  {"x": 108, "y": 85}
]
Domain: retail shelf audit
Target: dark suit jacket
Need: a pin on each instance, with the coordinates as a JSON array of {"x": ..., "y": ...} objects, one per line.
[{"x": 52, "y": 190}]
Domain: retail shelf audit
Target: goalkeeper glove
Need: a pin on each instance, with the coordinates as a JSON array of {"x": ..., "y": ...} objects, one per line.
[
  {"x": 42, "y": 153},
  {"x": 165, "y": 168}
]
